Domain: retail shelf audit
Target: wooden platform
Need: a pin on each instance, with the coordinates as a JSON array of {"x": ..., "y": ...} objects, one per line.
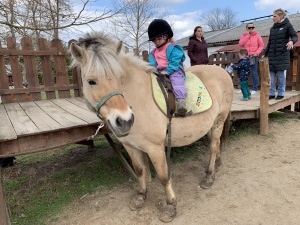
[
  {"x": 57, "y": 122},
  {"x": 250, "y": 109}
]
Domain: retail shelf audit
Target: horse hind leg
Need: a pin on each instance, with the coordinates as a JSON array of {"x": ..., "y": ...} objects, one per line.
[
  {"x": 218, "y": 157},
  {"x": 158, "y": 158},
  {"x": 215, "y": 155},
  {"x": 223, "y": 139},
  {"x": 141, "y": 167}
]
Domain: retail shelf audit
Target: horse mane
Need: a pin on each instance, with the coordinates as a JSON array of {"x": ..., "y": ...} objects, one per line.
[{"x": 104, "y": 58}]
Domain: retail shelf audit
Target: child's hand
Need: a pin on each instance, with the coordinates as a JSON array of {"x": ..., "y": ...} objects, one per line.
[
  {"x": 231, "y": 64},
  {"x": 164, "y": 73}
]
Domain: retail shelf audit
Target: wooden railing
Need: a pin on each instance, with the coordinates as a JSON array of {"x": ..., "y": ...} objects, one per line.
[
  {"x": 292, "y": 77},
  {"x": 35, "y": 70}
]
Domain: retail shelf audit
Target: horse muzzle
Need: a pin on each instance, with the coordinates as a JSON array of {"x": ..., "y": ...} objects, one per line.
[{"x": 121, "y": 127}]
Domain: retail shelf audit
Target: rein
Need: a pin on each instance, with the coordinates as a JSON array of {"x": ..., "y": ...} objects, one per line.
[
  {"x": 102, "y": 102},
  {"x": 163, "y": 83}
]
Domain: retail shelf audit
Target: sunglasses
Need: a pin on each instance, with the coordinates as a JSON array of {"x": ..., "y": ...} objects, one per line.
[{"x": 250, "y": 28}]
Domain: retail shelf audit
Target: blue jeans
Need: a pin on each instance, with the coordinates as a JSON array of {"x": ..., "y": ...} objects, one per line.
[
  {"x": 254, "y": 69},
  {"x": 281, "y": 82}
]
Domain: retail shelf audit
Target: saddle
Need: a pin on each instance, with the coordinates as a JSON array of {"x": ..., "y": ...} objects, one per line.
[
  {"x": 167, "y": 90},
  {"x": 198, "y": 98}
]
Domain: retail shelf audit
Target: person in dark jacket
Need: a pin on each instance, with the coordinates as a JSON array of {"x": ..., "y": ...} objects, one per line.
[
  {"x": 197, "y": 48},
  {"x": 281, "y": 40}
]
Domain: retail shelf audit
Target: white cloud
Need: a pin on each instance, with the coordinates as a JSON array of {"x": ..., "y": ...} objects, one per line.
[
  {"x": 183, "y": 24},
  {"x": 290, "y": 5}
]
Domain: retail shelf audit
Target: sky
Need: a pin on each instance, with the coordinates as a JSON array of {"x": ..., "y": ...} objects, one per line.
[{"x": 185, "y": 15}]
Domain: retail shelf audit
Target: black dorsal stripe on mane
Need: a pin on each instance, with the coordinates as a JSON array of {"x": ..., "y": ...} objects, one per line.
[{"x": 86, "y": 43}]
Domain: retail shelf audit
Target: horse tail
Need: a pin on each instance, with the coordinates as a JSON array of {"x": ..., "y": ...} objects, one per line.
[{"x": 225, "y": 132}]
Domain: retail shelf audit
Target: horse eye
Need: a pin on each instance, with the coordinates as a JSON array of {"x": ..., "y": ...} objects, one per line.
[{"x": 91, "y": 82}]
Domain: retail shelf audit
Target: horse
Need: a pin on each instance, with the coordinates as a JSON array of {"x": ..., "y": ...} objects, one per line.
[{"x": 116, "y": 85}]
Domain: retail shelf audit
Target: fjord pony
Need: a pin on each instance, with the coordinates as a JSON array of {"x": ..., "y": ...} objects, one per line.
[{"x": 117, "y": 86}]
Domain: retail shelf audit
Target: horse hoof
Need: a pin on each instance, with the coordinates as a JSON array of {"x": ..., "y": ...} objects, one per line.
[
  {"x": 168, "y": 213},
  {"x": 137, "y": 202},
  {"x": 207, "y": 182}
]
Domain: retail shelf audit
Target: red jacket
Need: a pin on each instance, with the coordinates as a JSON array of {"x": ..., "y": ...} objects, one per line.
[{"x": 252, "y": 43}]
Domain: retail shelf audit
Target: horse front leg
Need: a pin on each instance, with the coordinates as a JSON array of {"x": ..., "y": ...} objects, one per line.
[
  {"x": 140, "y": 164},
  {"x": 215, "y": 158},
  {"x": 158, "y": 158}
]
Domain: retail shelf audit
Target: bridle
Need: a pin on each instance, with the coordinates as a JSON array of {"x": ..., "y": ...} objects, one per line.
[{"x": 102, "y": 102}]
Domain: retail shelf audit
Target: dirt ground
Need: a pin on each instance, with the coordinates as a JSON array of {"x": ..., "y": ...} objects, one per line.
[{"x": 257, "y": 183}]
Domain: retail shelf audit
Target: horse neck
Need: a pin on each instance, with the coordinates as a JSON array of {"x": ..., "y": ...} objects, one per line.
[{"x": 136, "y": 81}]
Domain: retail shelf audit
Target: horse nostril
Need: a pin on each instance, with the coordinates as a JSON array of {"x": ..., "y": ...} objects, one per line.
[
  {"x": 132, "y": 119},
  {"x": 119, "y": 122},
  {"x": 123, "y": 123}
]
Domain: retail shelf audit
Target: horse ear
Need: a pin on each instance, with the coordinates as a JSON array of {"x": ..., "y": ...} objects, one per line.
[
  {"x": 78, "y": 53},
  {"x": 119, "y": 47}
]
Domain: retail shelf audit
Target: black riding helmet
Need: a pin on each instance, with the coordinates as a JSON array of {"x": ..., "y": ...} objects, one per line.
[{"x": 159, "y": 27}]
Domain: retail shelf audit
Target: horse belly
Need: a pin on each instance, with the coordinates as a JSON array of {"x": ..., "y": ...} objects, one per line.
[{"x": 187, "y": 133}]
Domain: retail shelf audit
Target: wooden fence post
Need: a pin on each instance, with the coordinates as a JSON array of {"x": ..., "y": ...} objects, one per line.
[
  {"x": 145, "y": 55},
  {"x": 264, "y": 95},
  {"x": 297, "y": 88},
  {"x": 4, "y": 218}
]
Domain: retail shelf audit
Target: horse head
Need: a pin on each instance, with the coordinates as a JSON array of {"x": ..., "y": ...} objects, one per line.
[{"x": 101, "y": 72}]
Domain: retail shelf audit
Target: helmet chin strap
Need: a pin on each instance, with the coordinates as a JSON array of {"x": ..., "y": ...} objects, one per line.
[{"x": 161, "y": 45}]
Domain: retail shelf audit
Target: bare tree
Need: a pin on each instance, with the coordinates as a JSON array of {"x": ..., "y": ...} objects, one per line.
[
  {"x": 220, "y": 18},
  {"x": 132, "y": 22},
  {"x": 46, "y": 17}
]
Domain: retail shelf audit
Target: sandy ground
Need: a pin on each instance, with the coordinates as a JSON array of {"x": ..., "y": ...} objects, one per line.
[{"x": 257, "y": 183}]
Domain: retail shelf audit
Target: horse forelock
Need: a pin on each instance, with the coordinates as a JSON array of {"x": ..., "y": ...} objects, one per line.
[{"x": 102, "y": 56}]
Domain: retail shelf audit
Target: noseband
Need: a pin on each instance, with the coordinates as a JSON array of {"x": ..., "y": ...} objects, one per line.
[{"x": 102, "y": 102}]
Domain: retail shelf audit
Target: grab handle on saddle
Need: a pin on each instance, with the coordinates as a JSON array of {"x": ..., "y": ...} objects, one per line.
[{"x": 162, "y": 79}]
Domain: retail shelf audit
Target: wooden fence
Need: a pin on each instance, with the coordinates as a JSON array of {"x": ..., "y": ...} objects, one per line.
[{"x": 35, "y": 70}]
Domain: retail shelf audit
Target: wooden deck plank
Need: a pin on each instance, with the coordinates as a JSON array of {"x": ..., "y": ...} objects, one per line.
[
  {"x": 77, "y": 111},
  {"x": 7, "y": 131},
  {"x": 21, "y": 122},
  {"x": 40, "y": 118},
  {"x": 237, "y": 107},
  {"x": 79, "y": 102},
  {"x": 45, "y": 141},
  {"x": 250, "y": 109},
  {"x": 64, "y": 118}
]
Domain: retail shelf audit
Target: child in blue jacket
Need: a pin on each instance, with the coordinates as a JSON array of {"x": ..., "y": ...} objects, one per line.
[
  {"x": 243, "y": 72},
  {"x": 168, "y": 58}
]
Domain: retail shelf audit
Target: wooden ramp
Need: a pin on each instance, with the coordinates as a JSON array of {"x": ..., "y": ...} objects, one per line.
[{"x": 251, "y": 109}]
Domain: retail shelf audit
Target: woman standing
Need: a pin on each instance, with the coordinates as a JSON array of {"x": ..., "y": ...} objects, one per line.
[
  {"x": 254, "y": 44},
  {"x": 281, "y": 40},
  {"x": 197, "y": 48}
]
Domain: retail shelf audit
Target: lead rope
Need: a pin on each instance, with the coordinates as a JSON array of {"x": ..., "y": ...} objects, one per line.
[{"x": 97, "y": 131}]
